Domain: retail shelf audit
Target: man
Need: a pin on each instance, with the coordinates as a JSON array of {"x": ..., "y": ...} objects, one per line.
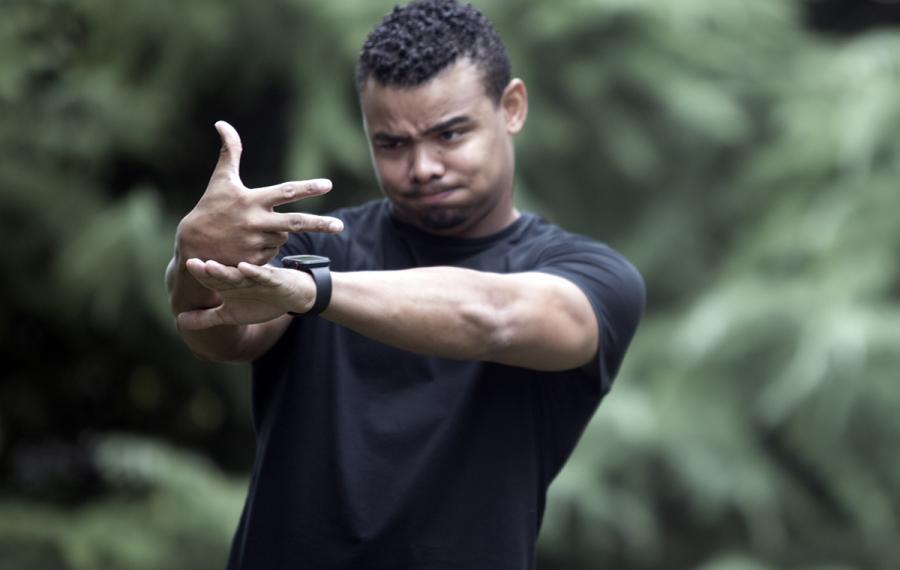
[{"x": 414, "y": 413}]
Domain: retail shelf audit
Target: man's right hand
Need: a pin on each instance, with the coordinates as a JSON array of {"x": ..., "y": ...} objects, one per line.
[{"x": 232, "y": 223}]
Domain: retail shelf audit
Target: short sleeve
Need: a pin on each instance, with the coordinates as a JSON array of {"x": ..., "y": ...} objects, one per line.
[{"x": 614, "y": 288}]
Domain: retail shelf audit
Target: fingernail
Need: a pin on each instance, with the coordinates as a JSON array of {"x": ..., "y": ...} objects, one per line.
[
  {"x": 336, "y": 226},
  {"x": 323, "y": 184}
]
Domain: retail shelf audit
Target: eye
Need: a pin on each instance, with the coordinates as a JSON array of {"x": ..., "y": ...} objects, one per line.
[
  {"x": 451, "y": 135},
  {"x": 390, "y": 144}
]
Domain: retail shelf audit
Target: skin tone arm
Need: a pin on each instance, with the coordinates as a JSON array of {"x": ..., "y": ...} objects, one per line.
[
  {"x": 532, "y": 320},
  {"x": 231, "y": 223}
]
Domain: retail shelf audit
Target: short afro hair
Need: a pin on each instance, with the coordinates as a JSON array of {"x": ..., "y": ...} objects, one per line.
[{"x": 414, "y": 43}]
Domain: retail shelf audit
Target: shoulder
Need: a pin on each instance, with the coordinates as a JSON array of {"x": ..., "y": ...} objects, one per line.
[
  {"x": 612, "y": 284},
  {"x": 549, "y": 244},
  {"x": 606, "y": 276}
]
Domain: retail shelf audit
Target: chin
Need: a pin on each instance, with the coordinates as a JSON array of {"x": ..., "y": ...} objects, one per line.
[
  {"x": 442, "y": 219},
  {"x": 437, "y": 219}
]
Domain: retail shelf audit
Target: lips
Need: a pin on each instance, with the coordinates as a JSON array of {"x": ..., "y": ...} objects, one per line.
[
  {"x": 433, "y": 195},
  {"x": 436, "y": 196}
]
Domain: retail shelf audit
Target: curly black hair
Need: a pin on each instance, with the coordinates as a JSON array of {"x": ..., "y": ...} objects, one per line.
[{"x": 414, "y": 43}]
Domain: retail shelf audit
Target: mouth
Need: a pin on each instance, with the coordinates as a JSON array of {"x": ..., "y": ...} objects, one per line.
[{"x": 435, "y": 196}]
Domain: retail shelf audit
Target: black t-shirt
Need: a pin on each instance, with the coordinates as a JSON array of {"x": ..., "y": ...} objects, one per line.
[{"x": 373, "y": 457}]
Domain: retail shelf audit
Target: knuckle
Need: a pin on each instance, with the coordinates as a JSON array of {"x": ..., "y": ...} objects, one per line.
[
  {"x": 256, "y": 242},
  {"x": 257, "y": 225},
  {"x": 311, "y": 188},
  {"x": 288, "y": 190},
  {"x": 230, "y": 148},
  {"x": 243, "y": 201},
  {"x": 298, "y": 223}
]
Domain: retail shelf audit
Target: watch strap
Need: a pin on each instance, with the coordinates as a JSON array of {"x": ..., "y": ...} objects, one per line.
[{"x": 322, "y": 278}]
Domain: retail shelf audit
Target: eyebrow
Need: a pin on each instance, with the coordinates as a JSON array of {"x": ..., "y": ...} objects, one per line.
[{"x": 442, "y": 126}]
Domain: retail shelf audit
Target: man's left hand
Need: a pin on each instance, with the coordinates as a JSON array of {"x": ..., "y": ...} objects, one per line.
[{"x": 250, "y": 294}]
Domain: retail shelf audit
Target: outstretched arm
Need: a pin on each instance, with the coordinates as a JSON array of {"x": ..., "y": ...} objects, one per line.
[{"x": 533, "y": 320}]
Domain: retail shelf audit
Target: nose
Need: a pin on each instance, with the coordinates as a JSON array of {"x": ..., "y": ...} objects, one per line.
[{"x": 427, "y": 164}]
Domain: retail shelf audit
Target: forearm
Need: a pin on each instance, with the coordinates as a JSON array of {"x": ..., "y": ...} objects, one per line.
[{"x": 463, "y": 314}]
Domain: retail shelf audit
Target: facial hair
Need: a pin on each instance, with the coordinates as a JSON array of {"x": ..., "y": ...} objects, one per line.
[{"x": 440, "y": 219}]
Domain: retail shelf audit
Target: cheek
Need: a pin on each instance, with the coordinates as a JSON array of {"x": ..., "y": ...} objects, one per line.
[
  {"x": 479, "y": 162},
  {"x": 390, "y": 173}
]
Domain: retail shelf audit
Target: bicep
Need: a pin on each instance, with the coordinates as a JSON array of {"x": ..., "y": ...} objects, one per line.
[{"x": 549, "y": 324}]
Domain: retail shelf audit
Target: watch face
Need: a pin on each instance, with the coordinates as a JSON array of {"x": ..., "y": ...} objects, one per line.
[{"x": 305, "y": 261}]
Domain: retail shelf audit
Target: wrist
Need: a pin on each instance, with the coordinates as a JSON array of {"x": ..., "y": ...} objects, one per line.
[
  {"x": 317, "y": 268},
  {"x": 304, "y": 295}
]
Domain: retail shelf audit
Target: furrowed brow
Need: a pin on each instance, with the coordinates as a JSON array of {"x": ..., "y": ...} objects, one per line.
[
  {"x": 387, "y": 138},
  {"x": 382, "y": 137},
  {"x": 449, "y": 123}
]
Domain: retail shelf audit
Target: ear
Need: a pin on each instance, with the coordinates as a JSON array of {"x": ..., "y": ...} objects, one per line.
[{"x": 514, "y": 103}]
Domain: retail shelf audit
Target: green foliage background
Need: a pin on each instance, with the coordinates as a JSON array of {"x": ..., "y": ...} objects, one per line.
[{"x": 747, "y": 166}]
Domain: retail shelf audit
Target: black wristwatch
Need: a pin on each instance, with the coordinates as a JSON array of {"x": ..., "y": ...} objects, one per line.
[{"x": 318, "y": 267}]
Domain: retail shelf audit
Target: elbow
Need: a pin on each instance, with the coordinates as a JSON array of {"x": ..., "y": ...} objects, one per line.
[
  {"x": 494, "y": 325},
  {"x": 544, "y": 330},
  {"x": 501, "y": 338}
]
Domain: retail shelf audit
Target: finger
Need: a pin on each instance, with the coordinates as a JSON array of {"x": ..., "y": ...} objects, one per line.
[
  {"x": 287, "y": 192},
  {"x": 299, "y": 222},
  {"x": 230, "y": 153},
  {"x": 200, "y": 319},
  {"x": 250, "y": 270},
  {"x": 197, "y": 269},
  {"x": 264, "y": 275},
  {"x": 213, "y": 275},
  {"x": 224, "y": 273}
]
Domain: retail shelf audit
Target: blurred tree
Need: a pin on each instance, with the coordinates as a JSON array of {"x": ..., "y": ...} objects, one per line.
[
  {"x": 747, "y": 166},
  {"x": 752, "y": 417}
]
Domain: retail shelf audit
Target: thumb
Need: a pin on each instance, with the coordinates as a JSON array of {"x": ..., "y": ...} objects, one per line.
[
  {"x": 200, "y": 319},
  {"x": 230, "y": 153}
]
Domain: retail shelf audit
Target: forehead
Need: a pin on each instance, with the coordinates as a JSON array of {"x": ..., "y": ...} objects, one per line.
[{"x": 455, "y": 91}]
